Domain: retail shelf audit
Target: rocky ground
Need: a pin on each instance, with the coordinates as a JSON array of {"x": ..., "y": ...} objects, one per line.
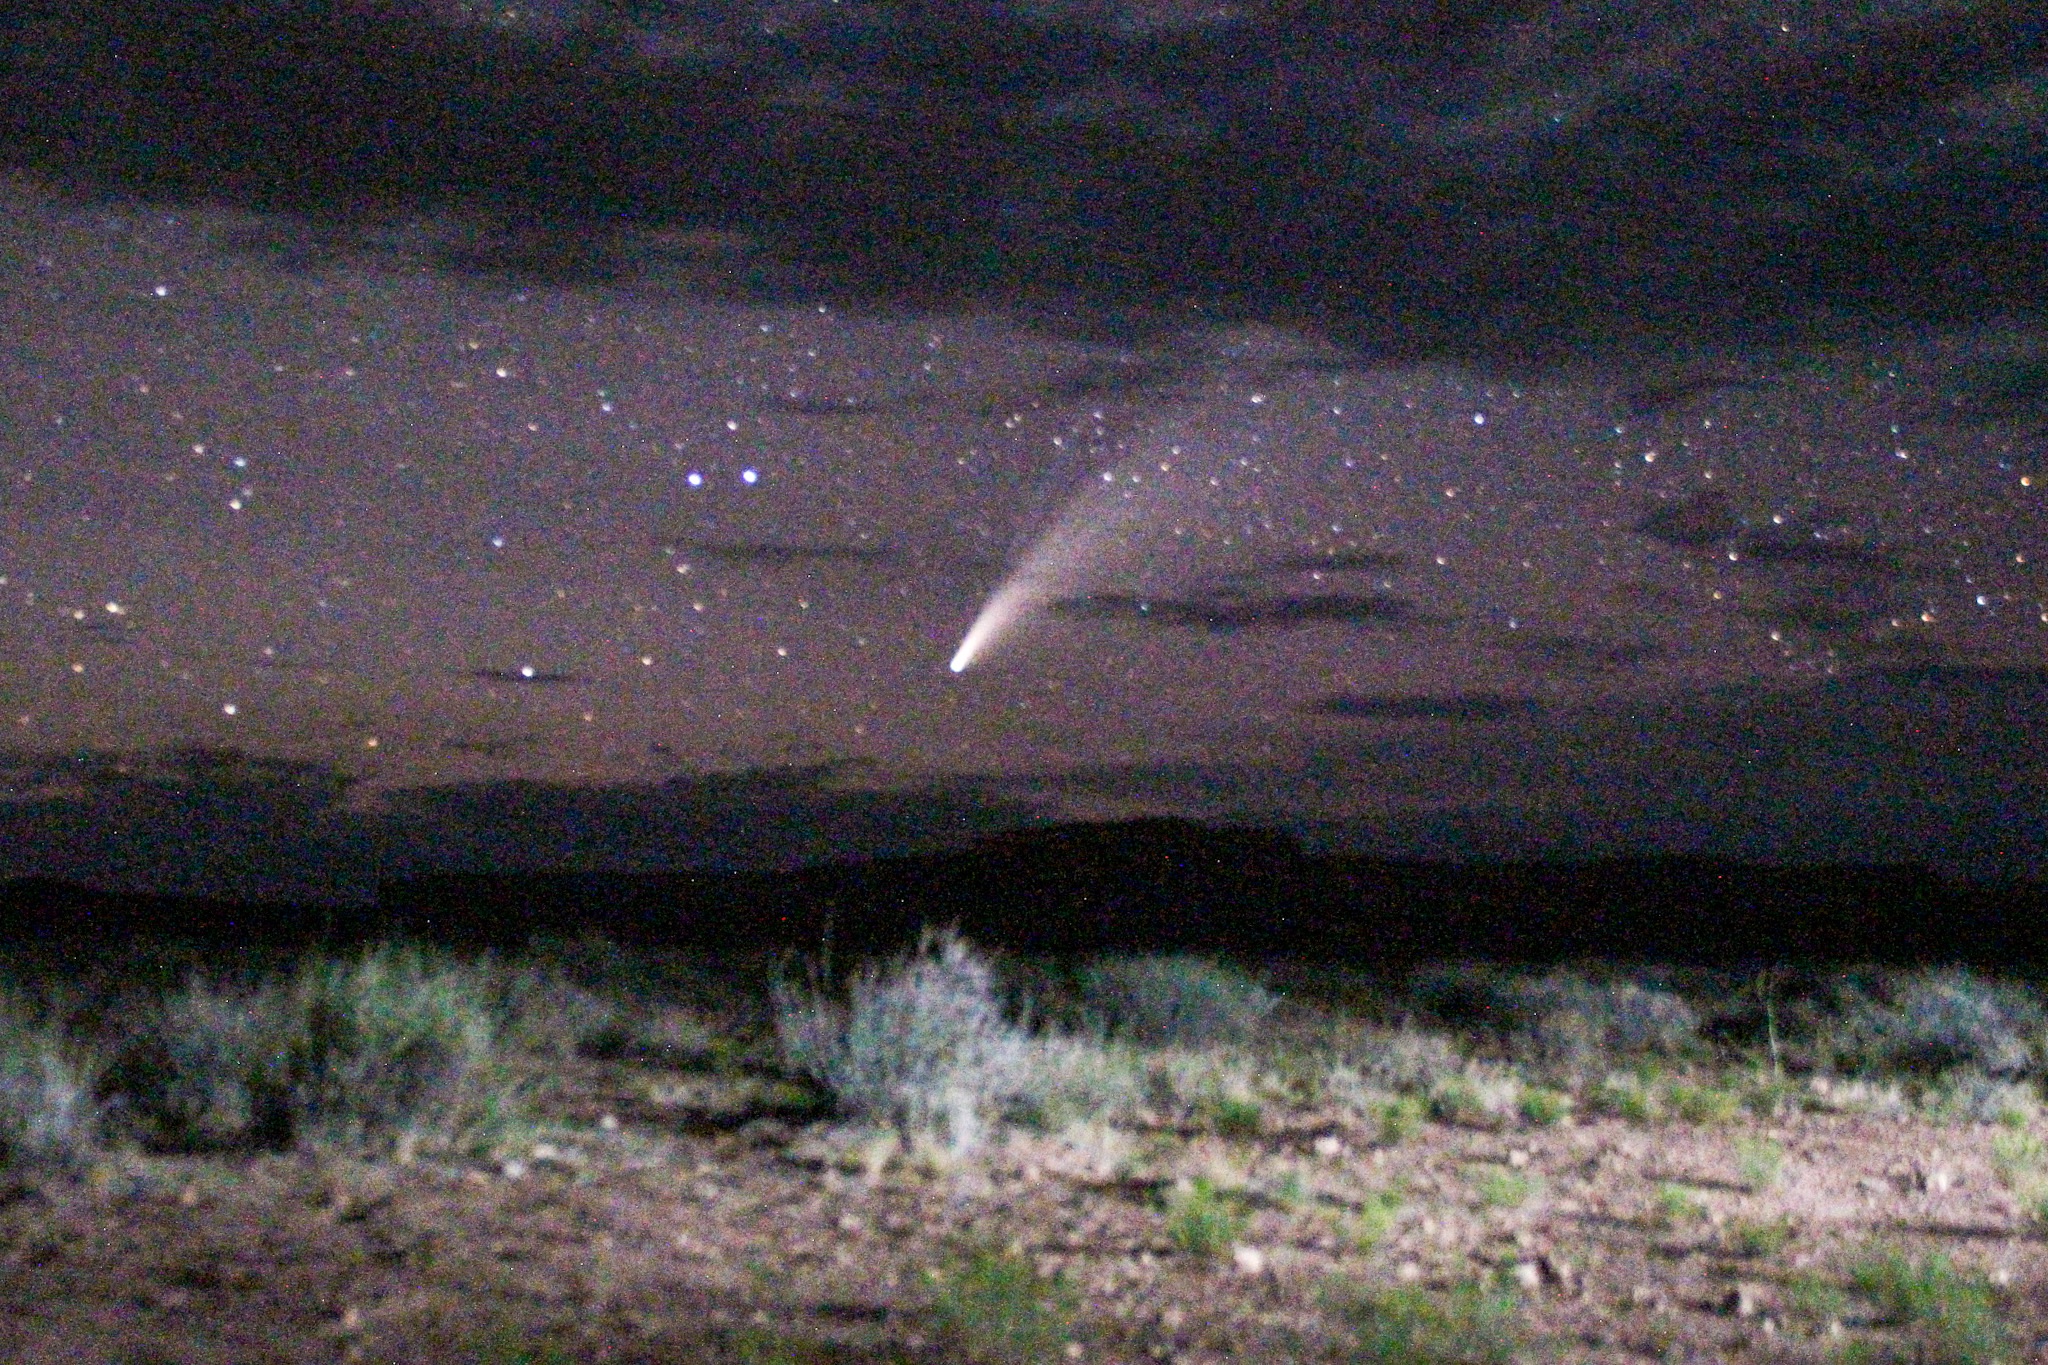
[{"x": 671, "y": 1213}]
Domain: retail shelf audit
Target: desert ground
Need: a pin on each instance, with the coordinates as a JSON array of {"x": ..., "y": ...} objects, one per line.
[{"x": 1294, "y": 1161}]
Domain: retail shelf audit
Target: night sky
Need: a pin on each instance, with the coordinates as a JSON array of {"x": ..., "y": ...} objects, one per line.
[{"x": 1512, "y": 488}]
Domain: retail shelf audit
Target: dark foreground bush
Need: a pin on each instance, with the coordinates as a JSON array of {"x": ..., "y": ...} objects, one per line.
[
  {"x": 1174, "y": 1001},
  {"x": 47, "y": 1115},
  {"x": 392, "y": 1050}
]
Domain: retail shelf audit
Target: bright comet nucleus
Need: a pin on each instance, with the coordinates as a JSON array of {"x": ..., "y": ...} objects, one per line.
[{"x": 1097, "y": 519}]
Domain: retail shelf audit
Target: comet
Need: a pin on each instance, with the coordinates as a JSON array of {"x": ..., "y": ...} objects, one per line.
[{"x": 1094, "y": 523}]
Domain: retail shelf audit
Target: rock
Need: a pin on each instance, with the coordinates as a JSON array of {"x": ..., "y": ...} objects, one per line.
[
  {"x": 1329, "y": 1146},
  {"x": 561, "y": 1158},
  {"x": 1933, "y": 1178},
  {"x": 1248, "y": 1260},
  {"x": 1528, "y": 1276},
  {"x": 1746, "y": 1299},
  {"x": 1558, "y": 1273}
]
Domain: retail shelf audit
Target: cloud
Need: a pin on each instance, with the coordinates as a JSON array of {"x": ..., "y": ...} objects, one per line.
[
  {"x": 781, "y": 554},
  {"x": 1470, "y": 706},
  {"x": 525, "y": 676},
  {"x": 1223, "y": 612},
  {"x": 1695, "y": 523},
  {"x": 1919, "y": 762},
  {"x": 1557, "y": 650},
  {"x": 1337, "y": 561}
]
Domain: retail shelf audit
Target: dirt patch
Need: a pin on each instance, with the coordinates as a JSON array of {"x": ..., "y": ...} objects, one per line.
[{"x": 665, "y": 1218}]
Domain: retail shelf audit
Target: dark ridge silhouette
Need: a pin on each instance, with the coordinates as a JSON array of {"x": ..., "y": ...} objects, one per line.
[{"x": 1148, "y": 886}]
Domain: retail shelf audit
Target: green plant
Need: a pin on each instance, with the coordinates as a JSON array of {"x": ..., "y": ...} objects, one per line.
[
  {"x": 1628, "y": 1098},
  {"x": 993, "y": 1307},
  {"x": 1545, "y": 1108},
  {"x": 1954, "y": 1316},
  {"x": 1469, "y": 1324},
  {"x": 544, "y": 1011},
  {"x": 1814, "y": 1299},
  {"x": 1760, "y": 1162},
  {"x": 1067, "y": 1081},
  {"x": 1201, "y": 1220},
  {"x": 1705, "y": 1103},
  {"x": 1936, "y": 1021},
  {"x": 1501, "y": 1188},
  {"x": 1769, "y": 1096},
  {"x": 1752, "y": 1238},
  {"x": 47, "y": 1114},
  {"x": 2020, "y": 1161},
  {"x": 209, "y": 1068},
  {"x": 758, "y": 1345},
  {"x": 1477, "y": 1097},
  {"x": 1235, "y": 1117},
  {"x": 1677, "y": 1206},
  {"x": 1374, "y": 1218},
  {"x": 1401, "y": 1118},
  {"x": 393, "y": 1046},
  {"x": 1403, "y": 1059},
  {"x": 921, "y": 1045},
  {"x": 1969, "y": 1096},
  {"x": 1176, "y": 1000},
  {"x": 2017, "y": 1158},
  {"x": 511, "y": 1347}
]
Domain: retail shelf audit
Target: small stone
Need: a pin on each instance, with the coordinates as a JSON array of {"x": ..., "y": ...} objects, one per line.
[
  {"x": 1645, "y": 1296},
  {"x": 512, "y": 1168},
  {"x": 1745, "y": 1300},
  {"x": 1248, "y": 1260},
  {"x": 1528, "y": 1275},
  {"x": 850, "y": 1223},
  {"x": 1329, "y": 1146},
  {"x": 1934, "y": 1179},
  {"x": 608, "y": 1122},
  {"x": 1408, "y": 1272},
  {"x": 1518, "y": 1157}
]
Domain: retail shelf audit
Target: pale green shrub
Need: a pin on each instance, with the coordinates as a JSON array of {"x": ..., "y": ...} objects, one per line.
[{"x": 921, "y": 1044}]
